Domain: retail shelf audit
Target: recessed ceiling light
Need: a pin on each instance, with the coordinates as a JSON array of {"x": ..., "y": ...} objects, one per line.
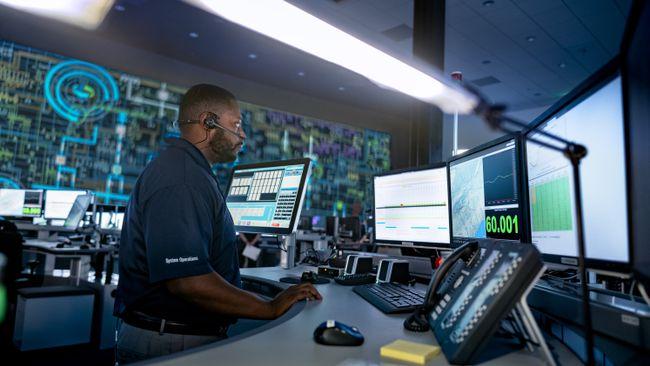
[
  {"x": 119, "y": 7},
  {"x": 537, "y": 94},
  {"x": 486, "y": 62},
  {"x": 301, "y": 73},
  {"x": 252, "y": 56},
  {"x": 561, "y": 65},
  {"x": 341, "y": 88},
  {"x": 488, "y": 3},
  {"x": 530, "y": 39},
  {"x": 194, "y": 35}
]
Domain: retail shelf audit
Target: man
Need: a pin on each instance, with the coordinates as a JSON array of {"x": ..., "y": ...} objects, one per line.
[{"x": 179, "y": 275}]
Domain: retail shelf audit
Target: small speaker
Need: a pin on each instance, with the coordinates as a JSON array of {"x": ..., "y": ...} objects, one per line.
[
  {"x": 393, "y": 270},
  {"x": 357, "y": 264}
]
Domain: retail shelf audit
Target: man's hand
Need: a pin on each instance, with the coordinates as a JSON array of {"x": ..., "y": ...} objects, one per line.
[
  {"x": 211, "y": 292},
  {"x": 290, "y": 296}
]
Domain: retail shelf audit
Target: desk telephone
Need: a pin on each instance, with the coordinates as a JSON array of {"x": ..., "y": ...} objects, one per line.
[{"x": 475, "y": 288}]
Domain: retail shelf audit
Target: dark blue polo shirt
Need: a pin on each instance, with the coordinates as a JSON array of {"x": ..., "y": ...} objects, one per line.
[{"x": 176, "y": 225}]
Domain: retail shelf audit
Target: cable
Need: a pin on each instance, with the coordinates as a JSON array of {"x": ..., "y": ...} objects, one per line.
[
  {"x": 280, "y": 244},
  {"x": 560, "y": 278},
  {"x": 643, "y": 293},
  {"x": 632, "y": 291}
]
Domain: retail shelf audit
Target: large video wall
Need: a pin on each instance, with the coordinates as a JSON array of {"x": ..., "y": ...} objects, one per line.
[{"x": 67, "y": 123}]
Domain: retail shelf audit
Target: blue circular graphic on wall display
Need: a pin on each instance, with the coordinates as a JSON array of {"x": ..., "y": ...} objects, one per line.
[{"x": 80, "y": 91}]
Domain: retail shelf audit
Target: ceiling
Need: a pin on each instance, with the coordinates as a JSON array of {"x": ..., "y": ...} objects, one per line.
[{"x": 524, "y": 53}]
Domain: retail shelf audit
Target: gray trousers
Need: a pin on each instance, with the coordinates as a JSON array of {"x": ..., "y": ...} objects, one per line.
[{"x": 136, "y": 344}]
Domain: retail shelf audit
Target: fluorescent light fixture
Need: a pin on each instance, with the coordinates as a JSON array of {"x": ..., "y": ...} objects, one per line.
[
  {"x": 84, "y": 13},
  {"x": 291, "y": 25}
]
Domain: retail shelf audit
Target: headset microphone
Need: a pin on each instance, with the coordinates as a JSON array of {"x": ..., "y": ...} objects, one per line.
[
  {"x": 210, "y": 122},
  {"x": 229, "y": 131}
]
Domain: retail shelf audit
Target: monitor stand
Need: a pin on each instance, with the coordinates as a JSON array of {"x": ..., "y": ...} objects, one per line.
[{"x": 288, "y": 248}]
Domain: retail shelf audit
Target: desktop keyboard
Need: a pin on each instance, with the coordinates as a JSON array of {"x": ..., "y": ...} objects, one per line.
[
  {"x": 355, "y": 279},
  {"x": 391, "y": 298}
]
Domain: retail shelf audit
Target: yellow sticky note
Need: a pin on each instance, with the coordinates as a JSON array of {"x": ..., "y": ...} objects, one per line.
[{"x": 409, "y": 351}]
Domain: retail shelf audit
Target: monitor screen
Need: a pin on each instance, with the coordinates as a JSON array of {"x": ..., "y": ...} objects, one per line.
[
  {"x": 58, "y": 203},
  {"x": 411, "y": 207},
  {"x": 109, "y": 220},
  {"x": 267, "y": 197},
  {"x": 21, "y": 202},
  {"x": 317, "y": 223},
  {"x": 485, "y": 199},
  {"x": 596, "y": 121},
  {"x": 78, "y": 211}
]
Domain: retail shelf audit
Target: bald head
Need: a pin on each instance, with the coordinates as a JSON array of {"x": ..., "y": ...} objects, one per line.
[{"x": 205, "y": 98}]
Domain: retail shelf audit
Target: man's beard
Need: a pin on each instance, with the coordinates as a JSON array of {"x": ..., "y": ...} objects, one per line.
[{"x": 223, "y": 150}]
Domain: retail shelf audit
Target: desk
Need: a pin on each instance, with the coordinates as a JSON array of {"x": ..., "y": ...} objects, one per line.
[
  {"x": 291, "y": 343},
  {"x": 75, "y": 253}
]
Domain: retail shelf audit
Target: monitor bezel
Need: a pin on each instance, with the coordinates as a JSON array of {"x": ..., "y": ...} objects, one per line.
[
  {"x": 584, "y": 90},
  {"x": 411, "y": 244},
  {"x": 42, "y": 203},
  {"x": 84, "y": 191},
  {"x": 306, "y": 162},
  {"x": 523, "y": 198}
]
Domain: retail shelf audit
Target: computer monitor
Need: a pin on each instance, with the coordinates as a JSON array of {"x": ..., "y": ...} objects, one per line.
[
  {"x": 78, "y": 211},
  {"x": 317, "y": 223},
  {"x": 109, "y": 217},
  {"x": 350, "y": 228},
  {"x": 591, "y": 115},
  {"x": 21, "y": 202},
  {"x": 485, "y": 188},
  {"x": 58, "y": 203},
  {"x": 304, "y": 223},
  {"x": 636, "y": 85},
  {"x": 411, "y": 207},
  {"x": 267, "y": 197}
]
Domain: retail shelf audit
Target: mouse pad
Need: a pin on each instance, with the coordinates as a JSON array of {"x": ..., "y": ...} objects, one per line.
[{"x": 295, "y": 280}]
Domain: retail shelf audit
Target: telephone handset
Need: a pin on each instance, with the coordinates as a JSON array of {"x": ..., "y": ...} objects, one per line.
[
  {"x": 463, "y": 256},
  {"x": 466, "y": 253}
]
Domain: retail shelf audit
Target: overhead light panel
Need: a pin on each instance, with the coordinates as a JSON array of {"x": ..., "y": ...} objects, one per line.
[
  {"x": 291, "y": 25},
  {"x": 84, "y": 13}
]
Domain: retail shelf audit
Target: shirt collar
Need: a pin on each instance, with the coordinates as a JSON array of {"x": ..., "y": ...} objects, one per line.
[{"x": 190, "y": 149}]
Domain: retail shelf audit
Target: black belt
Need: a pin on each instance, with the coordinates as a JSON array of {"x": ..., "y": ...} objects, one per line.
[{"x": 144, "y": 321}]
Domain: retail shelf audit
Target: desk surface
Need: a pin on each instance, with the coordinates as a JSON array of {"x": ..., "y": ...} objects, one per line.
[
  {"x": 73, "y": 249},
  {"x": 291, "y": 342}
]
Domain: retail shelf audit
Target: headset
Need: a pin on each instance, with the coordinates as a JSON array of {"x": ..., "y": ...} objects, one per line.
[{"x": 210, "y": 122}]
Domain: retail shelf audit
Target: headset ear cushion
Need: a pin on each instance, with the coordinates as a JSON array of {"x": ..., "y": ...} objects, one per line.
[{"x": 210, "y": 122}]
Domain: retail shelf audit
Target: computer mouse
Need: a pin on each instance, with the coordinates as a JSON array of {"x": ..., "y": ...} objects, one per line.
[
  {"x": 61, "y": 245},
  {"x": 333, "y": 333}
]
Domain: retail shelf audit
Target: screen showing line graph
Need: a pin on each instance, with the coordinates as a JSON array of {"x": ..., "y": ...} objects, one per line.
[
  {"x": 499, "y": 178},
  {"x": 484, "y": 194},
  {"x": 412, "y": 207}
]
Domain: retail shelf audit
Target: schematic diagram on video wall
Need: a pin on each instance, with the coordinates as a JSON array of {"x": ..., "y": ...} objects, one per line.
[{"x": 68, "y": 123}]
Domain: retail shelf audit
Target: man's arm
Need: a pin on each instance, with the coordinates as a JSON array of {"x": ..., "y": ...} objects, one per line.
[{"x": 211, "y": 292}]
